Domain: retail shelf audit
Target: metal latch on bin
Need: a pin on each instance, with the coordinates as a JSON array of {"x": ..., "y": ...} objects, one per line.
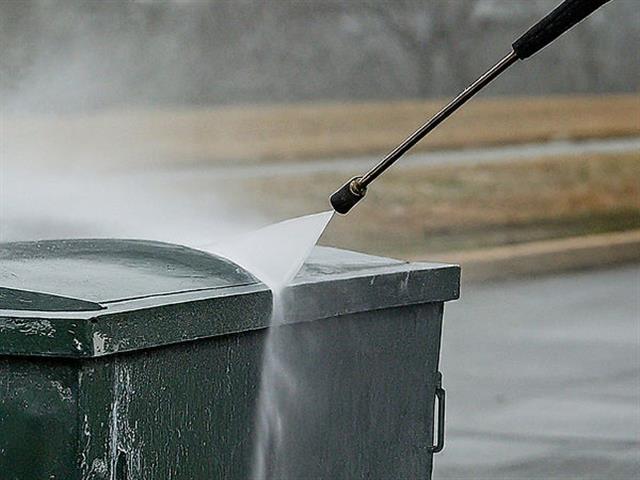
[{"x": 440, "y": 398}]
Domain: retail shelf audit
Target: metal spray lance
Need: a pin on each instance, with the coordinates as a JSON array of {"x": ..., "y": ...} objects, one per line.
[{"x": 565, "y": 16}]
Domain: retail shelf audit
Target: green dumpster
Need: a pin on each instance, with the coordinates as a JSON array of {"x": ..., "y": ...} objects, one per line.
[{"x": 123, "y": 359}]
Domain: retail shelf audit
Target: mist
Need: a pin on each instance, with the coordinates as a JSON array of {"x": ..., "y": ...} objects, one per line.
[{"x": 73, "y": 160}]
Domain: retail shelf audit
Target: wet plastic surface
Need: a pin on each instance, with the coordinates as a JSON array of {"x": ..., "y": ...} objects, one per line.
[
  {"x": 79, "y": 298},
  {"x": 161, "y": 384}
]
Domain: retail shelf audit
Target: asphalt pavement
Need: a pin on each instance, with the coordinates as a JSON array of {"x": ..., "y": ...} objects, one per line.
[
  {"x": 452, "y": 157},
  {"x": 543, "y": 378}
]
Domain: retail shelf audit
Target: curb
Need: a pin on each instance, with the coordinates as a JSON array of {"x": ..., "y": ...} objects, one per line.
[{"x": 550, "y": 256}]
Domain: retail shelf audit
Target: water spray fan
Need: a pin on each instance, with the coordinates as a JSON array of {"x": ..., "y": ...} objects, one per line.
[{"x": 565, "y": 16}]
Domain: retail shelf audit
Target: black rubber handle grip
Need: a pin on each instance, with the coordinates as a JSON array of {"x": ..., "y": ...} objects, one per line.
[{"x": 565, "y": 16}]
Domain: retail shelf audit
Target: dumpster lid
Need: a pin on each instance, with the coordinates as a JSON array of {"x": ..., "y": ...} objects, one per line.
[
  {"x": 84, "y": 298},
  {"x": 103, "y": 271}
]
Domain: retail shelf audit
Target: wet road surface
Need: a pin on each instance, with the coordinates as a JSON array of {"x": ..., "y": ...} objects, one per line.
[
  {"x": 455, "y": 157},
  {"x": 543, "y": 378}
]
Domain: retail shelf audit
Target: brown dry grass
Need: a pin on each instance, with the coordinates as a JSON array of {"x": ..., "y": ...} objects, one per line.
[
  {"x": 428, "y": 209},
  {"x": 308, "y": 131}
]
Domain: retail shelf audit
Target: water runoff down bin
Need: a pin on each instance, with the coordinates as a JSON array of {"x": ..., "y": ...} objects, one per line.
[{"x": 128, "y": 359}]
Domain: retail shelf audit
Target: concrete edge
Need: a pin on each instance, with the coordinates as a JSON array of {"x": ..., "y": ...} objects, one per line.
[{"x": 535, "y": 258}]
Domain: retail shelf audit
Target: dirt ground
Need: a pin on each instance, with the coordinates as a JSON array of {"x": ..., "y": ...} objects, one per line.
[
  {"x": 420, "y": 210},
  {"x": 250, "y": 134}
]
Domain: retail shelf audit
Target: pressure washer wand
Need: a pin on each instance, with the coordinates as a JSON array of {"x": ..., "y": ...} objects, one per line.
[{"x": 565, "y": 16}]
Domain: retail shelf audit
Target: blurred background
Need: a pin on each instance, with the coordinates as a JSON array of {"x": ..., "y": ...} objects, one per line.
[{"x": 190, "y": 121}]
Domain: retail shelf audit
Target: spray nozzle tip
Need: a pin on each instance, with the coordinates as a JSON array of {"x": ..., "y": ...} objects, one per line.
[{"x": 347, "y": 196}]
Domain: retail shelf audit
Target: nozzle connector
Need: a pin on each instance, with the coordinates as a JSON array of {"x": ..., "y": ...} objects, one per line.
[{"x": 347, "y": 196}]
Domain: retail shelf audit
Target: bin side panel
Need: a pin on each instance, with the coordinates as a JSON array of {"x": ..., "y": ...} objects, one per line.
[
  {"x": 183, "y": 411},
  {"x": 356, "y": 395},
  {"x": 99, "y": 407},
  {"x": 38, "y": 422},
  {"x": 363, "y": 401}
]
